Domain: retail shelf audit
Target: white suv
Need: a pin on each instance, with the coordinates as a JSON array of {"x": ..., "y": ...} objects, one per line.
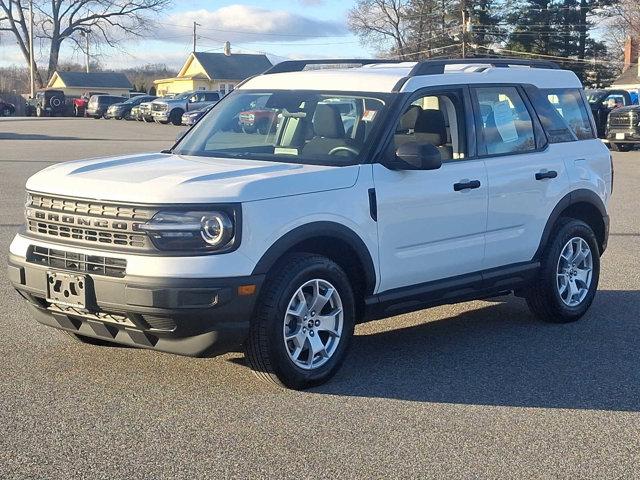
[{"x": 448, "y": 180}]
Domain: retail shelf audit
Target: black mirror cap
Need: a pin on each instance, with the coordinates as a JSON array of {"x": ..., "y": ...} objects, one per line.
[{"x": 418, "y": 156}]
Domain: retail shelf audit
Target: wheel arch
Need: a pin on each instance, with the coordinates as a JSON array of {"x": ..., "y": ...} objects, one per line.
[
  {"x": 333, "y": 240},
  {"x": 583, "y": 205}
]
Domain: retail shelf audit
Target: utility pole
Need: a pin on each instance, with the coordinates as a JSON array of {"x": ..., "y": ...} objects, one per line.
[
  {"x": 86, "y": 36},
  {"x": 463, "y": 7},
  {"x": 85, "y": 33},
  {"x": 195, "y": 24},
  {"x": 32, "y": 80}
]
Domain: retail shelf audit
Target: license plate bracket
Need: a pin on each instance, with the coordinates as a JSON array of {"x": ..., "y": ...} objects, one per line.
[{"x": 67, "y": 289}]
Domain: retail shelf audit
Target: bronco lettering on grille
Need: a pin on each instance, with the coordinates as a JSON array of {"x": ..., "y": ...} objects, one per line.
[{"x": 83, "y": 221}]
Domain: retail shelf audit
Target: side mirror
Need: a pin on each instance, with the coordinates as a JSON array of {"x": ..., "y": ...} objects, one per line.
[{"x": 417, "y": 156}]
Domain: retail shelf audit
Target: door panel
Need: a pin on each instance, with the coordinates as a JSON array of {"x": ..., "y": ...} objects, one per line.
[
  {"x": 520, "y": 205},
  {"x": 427, "y": 230}
]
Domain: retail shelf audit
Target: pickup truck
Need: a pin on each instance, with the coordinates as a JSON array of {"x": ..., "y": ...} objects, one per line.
[{"x": 603, "y": 102}]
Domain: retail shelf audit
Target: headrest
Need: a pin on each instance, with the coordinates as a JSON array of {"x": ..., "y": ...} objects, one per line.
[
  {"x": 409, "y": 118},
  {"x": 432, "y": 122},
  {"x": 327, "y": 122}
]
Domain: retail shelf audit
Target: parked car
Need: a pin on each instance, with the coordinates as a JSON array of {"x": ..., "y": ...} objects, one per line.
[
  {"x": 602, "y": 102},
  {"x": 49, "y": 103},
  {"x": 144, "y": 113},
  {"x": 6, "y": 109},
  {"x": 191, "y": 118},
  {"x": 261, "y": 120},
  {"x": 283, "y": 244},
  {"x": 171, "y": 110},
  {"x": 80, "y": 104},
  {"x": 623, "y": 128},
  {"x": 98, "y": 105},
  {"x": 123, "y": 109}
]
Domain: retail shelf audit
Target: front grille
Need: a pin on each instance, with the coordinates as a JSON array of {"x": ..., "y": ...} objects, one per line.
[
  {"x": 88, "y": 222},
  {"x": 99, "y": 316},
  {"x": 623, "y": 120},
  {"x": 159, "y": 107},
  {"x": 77, "y": 262}
]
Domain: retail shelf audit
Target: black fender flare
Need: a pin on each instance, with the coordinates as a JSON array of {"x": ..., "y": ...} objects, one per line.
[
  {"x": 582, "y": 195},
  {"x": 314, "y": 230}
]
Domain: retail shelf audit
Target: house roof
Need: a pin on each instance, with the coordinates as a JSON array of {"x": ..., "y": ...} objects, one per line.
[
  {"x": 95, "y": 79},
  {"x": 629, "y": 76},
  {"x": 236, "y": 66}
]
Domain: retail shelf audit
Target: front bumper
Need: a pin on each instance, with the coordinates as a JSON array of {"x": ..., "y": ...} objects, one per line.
[
  {"x": 623, "y": 135},
  {"x": 160, "y": 116},
  {"x": 186, "y": 316},
  {"x": 114, "y": 113}
]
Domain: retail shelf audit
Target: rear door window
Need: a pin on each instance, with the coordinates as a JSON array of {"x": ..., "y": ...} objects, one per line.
[
  {"x": 506, "y": 125},
  {"x": 568, "y": 102}
]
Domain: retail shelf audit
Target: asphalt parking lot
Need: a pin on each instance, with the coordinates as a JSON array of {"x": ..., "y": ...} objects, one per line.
[{"x": 476, "y": 390}]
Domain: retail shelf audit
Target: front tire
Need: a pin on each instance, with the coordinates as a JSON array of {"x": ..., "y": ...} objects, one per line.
[
  {"x": 569, "y": 274},
  {"x": 303, "y": 323},
  {"x": 175, "y": 117}
]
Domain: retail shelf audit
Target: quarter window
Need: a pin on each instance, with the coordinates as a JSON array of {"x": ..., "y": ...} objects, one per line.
[
  {"x": 569, "y": 104},
  {"x": 506, "y": 124}
]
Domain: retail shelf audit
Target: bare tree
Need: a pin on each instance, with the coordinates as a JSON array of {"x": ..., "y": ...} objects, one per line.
[
  {"x": 59, "y": 21},
  {"x": 381, "y": 21}
]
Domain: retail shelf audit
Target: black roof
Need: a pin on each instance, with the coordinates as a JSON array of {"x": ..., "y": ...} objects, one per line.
[
  {"x": 95, "y": 79},
  {"x": 629, "y": 76},
  {"x": 236, "y": 66}
]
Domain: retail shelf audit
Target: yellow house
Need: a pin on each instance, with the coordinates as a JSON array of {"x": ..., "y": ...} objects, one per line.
[
  {"x": 213, "y": 71},
  {"x": 74, "y": 84}
]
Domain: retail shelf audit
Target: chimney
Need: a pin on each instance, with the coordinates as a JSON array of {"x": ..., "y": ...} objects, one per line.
[
  {"x": 630, "y": 52},
  {"x": 227, "y": 49}
]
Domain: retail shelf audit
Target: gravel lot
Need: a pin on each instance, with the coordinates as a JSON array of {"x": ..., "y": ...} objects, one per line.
[{"x": 476, "y": 390}]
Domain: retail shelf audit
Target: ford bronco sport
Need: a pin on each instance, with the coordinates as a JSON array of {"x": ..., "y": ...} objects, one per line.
[{"x": 458, "y": 179}]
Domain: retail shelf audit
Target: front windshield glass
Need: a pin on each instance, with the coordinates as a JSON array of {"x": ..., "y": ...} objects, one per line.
[
  {"x": 595, "y": 96},
  {"x": 308, "y": 127}
]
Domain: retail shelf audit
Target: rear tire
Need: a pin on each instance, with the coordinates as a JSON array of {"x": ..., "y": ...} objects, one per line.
[
  {"x": 568, "y": 278},
  {"x": 290, "y": 344}
]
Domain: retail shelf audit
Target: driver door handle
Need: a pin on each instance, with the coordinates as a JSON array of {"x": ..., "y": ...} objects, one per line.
[
  {"x": 546, "y": 174},
  {"x": 466, "y": 185}
]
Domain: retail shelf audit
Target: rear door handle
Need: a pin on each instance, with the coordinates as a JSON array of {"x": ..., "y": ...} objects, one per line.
[
  {"x": 466, "y": 185},
  {"x": 546, "y": 174}
]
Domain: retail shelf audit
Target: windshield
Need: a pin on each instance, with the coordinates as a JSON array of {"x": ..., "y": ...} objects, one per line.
[
  {"x": 308, "y": 127},
  {"x": 595, "y": 96}
]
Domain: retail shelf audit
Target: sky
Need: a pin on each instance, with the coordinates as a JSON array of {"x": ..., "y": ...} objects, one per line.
[{"x": 279, "y": 28}]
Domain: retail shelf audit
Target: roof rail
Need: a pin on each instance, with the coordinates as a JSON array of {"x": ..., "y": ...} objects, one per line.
[
  {"x": 299, "y": 65},
  {"x": 435, "y": 67}
]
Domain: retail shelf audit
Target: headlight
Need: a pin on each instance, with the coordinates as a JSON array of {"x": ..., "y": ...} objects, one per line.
[{"x": 194, "y": 230}]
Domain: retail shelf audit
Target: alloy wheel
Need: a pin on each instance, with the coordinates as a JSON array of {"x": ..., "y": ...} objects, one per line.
[
  {"x": 574, "y": 271},
  {"x": 313, "y": 324}
]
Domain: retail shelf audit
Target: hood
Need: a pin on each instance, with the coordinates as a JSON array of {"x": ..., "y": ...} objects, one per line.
[
  {"x": 159, "y": 178},
  {"x": 625, "y": 110}
]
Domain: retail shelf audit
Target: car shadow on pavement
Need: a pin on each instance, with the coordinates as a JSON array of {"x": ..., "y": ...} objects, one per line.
[
  {"x": 501, "y": 355},
  {"x": 38, "y": 136}
]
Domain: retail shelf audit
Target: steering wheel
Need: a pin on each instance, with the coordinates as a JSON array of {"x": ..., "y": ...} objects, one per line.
[{"x": 344, "y": 148}]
